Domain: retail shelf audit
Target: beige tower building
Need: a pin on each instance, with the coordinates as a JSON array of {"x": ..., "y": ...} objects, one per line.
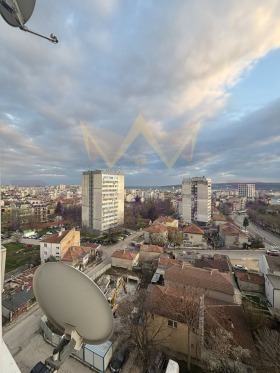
[
  {"x": 196, "y": 200},
  {"x": 247, "y": 190},
  {"x": 102, "y": 200}
]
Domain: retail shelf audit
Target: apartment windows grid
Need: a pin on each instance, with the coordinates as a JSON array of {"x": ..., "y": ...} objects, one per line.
[
  {"x": 102, "y": 199},
  {"x": 196, "y": 200}
]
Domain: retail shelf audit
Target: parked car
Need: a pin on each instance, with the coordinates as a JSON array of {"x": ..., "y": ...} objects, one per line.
[
  {"x": 273, "y": 252},
  {"x": 239, "y": 267},
  {"x": 119, "y": 360}
]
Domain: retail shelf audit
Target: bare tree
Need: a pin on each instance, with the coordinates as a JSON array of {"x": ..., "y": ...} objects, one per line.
[
  {"x": 268, "y": 346},
  {"x": 17, "y": 237},
  {"x": 221, "y": 354},
  {"x": 148, "y": 331}
]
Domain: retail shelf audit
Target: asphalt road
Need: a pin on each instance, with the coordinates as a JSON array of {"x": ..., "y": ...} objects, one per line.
[{"x": 258, "y": 232}]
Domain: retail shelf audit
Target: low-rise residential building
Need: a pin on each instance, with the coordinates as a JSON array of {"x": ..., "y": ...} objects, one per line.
[
  {"x": 170, "y": 320},
  {"x": 156, "y": 234},
  {"x": 250, "y": 282},
  {"x": 218, "y": 219},
  {"x": 79, "y": 256},
  {"x": 166, "y": 221},
  {"x": 57, "y": 244},
  {"x": 270, "y": 265},
  {"x": 272, "y": 290},
  {"x": 218, "y": 262},
  {"x": 125, "y": 259},
  {"x": 192, "y": 235},
  {"x": 150, "y": 252},
  {"x": 216, "y": 284},
  {"x": 232, "y": 236}
]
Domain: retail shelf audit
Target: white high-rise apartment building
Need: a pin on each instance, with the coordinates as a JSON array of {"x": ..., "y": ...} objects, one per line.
[
  {"x": 102, "y": 200},
  {"x": 247, "y": 190},
  {"x": 196, "y": 200}
]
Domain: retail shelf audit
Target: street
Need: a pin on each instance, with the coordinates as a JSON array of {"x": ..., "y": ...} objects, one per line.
[{"x": 257, "y": 231}]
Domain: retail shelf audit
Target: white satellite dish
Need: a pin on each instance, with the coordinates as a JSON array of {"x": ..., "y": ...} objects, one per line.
[
  {"x": 75, "y": 305},
  {"x": 17, "y": 12}
]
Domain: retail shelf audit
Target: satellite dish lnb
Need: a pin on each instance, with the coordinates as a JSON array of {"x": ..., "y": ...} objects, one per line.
[
  {"x": 17, "y": 12},
  {"x": 75, "y": 305}
]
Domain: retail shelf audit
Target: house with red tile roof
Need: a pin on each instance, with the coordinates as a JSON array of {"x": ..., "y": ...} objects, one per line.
[
  {"x": 78, "y": 256},
  {"x": 57, "y": 244},
  {"x": 250, "y": 282},
  {"x": 232, "y": 236},
  {"x": 218, "y": 219},
  {"x": 216, "y": 284},
  {"x": 125, "y": 259},
  {"x": 169, "y": 322},
  {"x": 166, "y": 221},
  {"x": 192, "y": 235},
  {"x": 150, "y": 252},
  {"x": 218, "y": 262},
  {"x": 156, "y": 234}
]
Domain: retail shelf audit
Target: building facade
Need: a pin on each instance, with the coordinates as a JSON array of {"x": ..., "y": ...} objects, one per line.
[
  {"x": 57, "y": 244},
  {"x": 196, "y": 200},
  {"x": 102, "y": 200},
  {"x": 247, "y": 190}
]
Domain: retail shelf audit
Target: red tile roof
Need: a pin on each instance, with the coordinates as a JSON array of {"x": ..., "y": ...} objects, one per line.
[
  {"x": 125, "y": 254},
  {"x": 231, "y": 230},
  {"x": 75, "y": 253},
  {"x": 232, "y": 318},
  {"x": 203, "y": 278},
  {"x": 152, "y": 249},
  {"x": 56, "y": 238},
  {"x": 193, "y": 229},
  {"x": 252, "y": 278},
  {"x": 220, "y": 264},
  {"x": 156, "y": 229}
]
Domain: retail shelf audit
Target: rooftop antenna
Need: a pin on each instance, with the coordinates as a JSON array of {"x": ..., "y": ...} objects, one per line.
[
  {"x": 75, "y": 305},
  {"x": 17, "y": 12}
]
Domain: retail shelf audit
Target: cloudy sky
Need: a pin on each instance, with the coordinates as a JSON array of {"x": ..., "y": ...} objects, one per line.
[{"x": 159, "y": 89}]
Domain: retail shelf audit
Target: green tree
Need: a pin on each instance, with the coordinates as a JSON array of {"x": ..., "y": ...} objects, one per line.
[{"x": 245, "y": 223}]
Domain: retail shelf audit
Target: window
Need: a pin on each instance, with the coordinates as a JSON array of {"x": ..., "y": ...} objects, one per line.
[
  {"x": 172, "y": 324},
  {"x": 45, "y": 253}
]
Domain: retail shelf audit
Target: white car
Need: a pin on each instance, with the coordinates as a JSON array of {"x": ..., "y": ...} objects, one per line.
[{"x": 239, "y": 267}]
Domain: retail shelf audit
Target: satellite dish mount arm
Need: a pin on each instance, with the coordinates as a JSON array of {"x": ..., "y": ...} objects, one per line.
[{"x": 70, "y": 341}]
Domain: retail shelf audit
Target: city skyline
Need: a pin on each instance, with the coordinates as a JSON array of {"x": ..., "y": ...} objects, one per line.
[{"x": 209, "y": 98}]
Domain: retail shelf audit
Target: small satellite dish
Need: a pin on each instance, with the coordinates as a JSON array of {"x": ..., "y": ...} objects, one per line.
[
  {"x": 26, "y": 8},
  {"x": 68, "y": 297},
  {"x": 17, "y": 12}
]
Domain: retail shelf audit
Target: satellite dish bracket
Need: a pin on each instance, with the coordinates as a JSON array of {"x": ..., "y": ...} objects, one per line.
[{"x": 70, "y": 341}]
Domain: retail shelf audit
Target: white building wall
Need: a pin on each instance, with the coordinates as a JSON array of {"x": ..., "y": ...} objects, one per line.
[
  {"x": 103, "y": 199},
  {"x": 187, "y": 200},
  {"x": 272, "y": 290},
  {"x": 196, "y": 200}
]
